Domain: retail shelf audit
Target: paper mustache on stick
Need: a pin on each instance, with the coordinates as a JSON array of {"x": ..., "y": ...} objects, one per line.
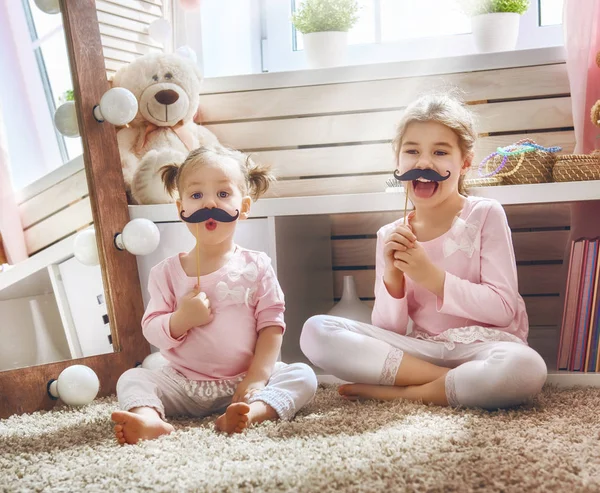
[
  {"x": 202, "y": 215},
  {"x": 416, "y": 173},
  {"x": 205, "y": 214}
]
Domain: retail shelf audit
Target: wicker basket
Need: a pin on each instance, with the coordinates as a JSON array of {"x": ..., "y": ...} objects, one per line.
[
  {"x": 577, "y": 167},
  {"x": 534, "y": 166}
]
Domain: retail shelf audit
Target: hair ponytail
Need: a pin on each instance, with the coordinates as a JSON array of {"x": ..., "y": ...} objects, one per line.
[
  {"x": 170, "y": 176},
  {"x": 259, "y": 178}
]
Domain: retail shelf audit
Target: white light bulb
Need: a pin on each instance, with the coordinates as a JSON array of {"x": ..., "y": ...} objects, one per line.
[
  {"x": 65, "y": 119},
  {"x": 77, "y": 385},
  {"x": 48, "y": 6},
  {"x": 85, "y": 247},
  {"x": 160, "y": 31},
  {"x": 117, "y": 106},
  {"x": 139, "y": 237}
]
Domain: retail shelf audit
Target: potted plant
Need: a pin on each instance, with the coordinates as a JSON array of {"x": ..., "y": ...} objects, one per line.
[
  {"x": 325, "y": 25},
  {"x": 495, "y": 23}
]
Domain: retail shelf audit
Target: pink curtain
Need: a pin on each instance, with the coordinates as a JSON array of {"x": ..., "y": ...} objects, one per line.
[
  {"x": 10, "y": 219},
  {"x": 581, "y": 25}
]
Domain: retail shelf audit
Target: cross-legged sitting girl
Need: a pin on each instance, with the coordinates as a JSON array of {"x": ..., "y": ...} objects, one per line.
[
  {"x": 449, "y": 326},
  {"x": 221, "y": 343}
]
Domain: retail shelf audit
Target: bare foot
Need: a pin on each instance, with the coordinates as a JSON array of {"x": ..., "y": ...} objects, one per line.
[
  {"x": 235, "y": 418},
  {"x": 358, "y": 391},
  {"x": 429, "y": 393},
  {"x": 132, "y": 427}
]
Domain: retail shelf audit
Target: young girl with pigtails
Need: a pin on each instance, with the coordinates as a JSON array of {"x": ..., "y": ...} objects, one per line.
[{"x": 218, "y": 321}]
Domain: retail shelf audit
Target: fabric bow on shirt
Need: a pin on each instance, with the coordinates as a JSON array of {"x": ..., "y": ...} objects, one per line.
[
  {"x": 237, "y": 294},
  {"x": 465, "y": 238},
  {"x": 249, "y": 272}
]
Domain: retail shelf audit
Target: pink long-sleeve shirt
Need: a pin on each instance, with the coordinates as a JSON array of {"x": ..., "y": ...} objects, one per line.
[
  {"x": 481, "y": 299},
  {"x": 245, "y": 298}
]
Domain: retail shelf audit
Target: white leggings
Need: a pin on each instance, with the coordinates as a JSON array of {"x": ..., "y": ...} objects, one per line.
[
  {"x": 489, "y": 375},
  {"x": 289, "y": 389}
]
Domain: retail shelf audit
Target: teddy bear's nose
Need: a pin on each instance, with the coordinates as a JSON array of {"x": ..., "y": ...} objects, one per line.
[{"x": 167, "y": 96}]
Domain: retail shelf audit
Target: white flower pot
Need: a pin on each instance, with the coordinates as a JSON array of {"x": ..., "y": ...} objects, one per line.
[
  {"x": 325, "y": 49},
  {"x": 350, "y": 306},
  {"x": 495, "y": 32}
]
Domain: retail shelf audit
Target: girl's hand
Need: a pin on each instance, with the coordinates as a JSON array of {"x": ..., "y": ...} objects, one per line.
[
  {"x": 246, "y": 388},
  {"x": 399, "y": 239},
  {"x": 416, "y": 264},
  {"x": 193, "y": 311}
]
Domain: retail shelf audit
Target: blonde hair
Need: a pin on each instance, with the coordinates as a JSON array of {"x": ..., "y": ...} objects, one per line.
[
  {"x": 448, "y": 111},
  {"x": 257, "y": 177}
]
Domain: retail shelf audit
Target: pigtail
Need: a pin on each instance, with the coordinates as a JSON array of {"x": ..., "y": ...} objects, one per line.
[
  {"x": 259, "y": 178},
  {"x": 169, "y": 175}
]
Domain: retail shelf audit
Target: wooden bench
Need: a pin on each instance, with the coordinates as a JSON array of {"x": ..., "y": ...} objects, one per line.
[{"x": 330, "y": 136}]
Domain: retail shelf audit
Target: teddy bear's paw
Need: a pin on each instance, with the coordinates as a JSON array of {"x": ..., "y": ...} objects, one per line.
[{"x": 147, "y": 186}]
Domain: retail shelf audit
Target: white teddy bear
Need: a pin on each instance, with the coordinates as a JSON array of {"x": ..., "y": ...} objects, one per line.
[{"x": 167, "y": 87}]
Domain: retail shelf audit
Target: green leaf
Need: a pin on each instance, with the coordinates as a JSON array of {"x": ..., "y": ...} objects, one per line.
[
  {"x": 326, "y": 15},
  {"x": 478, "y": 7}
]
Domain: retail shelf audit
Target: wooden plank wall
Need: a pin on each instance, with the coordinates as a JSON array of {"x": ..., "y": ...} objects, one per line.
[
  {"x": 56, "y": 212},
  {"x": 124, "y": 29},
  {"x": 334, "y": 138}
]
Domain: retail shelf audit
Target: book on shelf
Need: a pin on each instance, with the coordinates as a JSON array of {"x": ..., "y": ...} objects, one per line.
[
  {"x": 579, "y": 335},
  {"x": 592, "y": 340}
]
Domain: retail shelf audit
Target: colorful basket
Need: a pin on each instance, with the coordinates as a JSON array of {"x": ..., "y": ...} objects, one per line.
[
  {"x": 520, "y": 163},
  {"x": 577, "y": 167}
]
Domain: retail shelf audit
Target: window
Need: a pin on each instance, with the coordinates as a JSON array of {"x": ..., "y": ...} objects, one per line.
[
  {"x": 551, "y": 12},
  {"x": 397, "y": 30},
  {"x": 259, "y": 36},
  {"x": 34, "y": 52},
  {"x": 387, "y": 21},
  {"x": 52, "y": 56}
]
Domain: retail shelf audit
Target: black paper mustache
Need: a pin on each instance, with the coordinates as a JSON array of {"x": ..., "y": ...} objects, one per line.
[
  {"x": 205, "y": 214},
  {"x": 415, "y": 173}
]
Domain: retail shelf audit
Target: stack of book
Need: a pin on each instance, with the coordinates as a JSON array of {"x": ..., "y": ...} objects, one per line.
[{"x": 578, "y": 348}]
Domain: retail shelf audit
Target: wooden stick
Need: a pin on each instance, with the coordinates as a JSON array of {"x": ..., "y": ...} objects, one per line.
[
  {"x": 405, "y": 202},
  {"x": 198, "y": 254}
]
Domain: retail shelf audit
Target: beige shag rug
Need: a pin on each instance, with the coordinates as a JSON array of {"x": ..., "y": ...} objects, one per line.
[{"x": 332, "y": 445}]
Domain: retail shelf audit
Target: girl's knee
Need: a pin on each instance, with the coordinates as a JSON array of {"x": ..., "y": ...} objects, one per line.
[
  {"x": 313, "y": 339},
  {"x": 532, "y": 370},
  {"x": 129, "y": 377},
  {"x": 309, "y": 378},
  {"x": 305, "y": 376},
  {"x": 524, "y": 375}
]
